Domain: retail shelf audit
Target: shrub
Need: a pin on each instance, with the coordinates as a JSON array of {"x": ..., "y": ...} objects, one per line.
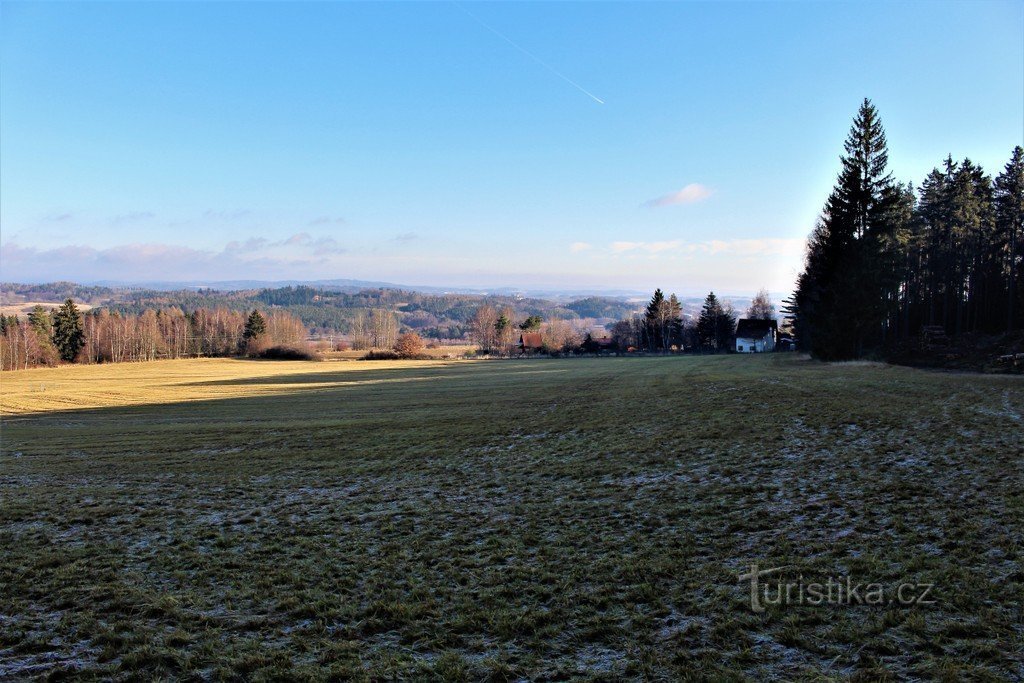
[
  {"x": 287, "y": 353},
  {"x": 388, "y": 354},
  {"x": 409, "y": 345},
  {"x": 383, "y": 354}
]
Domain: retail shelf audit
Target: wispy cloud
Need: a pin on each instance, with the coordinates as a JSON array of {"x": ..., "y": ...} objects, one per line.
[
  {"x": 650, "y": 247},
  {"x": 326, "y": 220},
  {"x": 132, "y": 217},
  {"x": 231, "y": 215},
  {"x": 300, "y": 242},
  {"x": 406, "y": 237},
  {"x": 249, "y": 246},
  {"x": 769, "y": 246},
  {"x": 58, "y": 217},
  {"x": 737, "y": 247},
  {"x": 619, "y": 247},
  {"x": 298, "y": 238},
  {"x": 248, "y": 258},
  {"x": 577, "y": 247},
  {"x": 327, "y": 245},
  {"x": 692, "y": 193}
]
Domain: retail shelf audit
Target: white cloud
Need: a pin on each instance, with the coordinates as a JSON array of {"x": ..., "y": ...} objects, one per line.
[
  {"x": 298, "y": 238},
  {"x": 253, "y": 257},
  {"x": 692, "y": 193},
  {"x": 327, "y": 220},
  {"x": 757, "y": 247},
  {"x": 649, "y": 247},
  {"x": 658, "y": 247},
  {"x": 132, "y": 217},
  {"x": 737, "y": 247},
  {"x": 577, "y": 247},
  {"x": 227, "y": 215},
  {"x": 327, "y": 245}
]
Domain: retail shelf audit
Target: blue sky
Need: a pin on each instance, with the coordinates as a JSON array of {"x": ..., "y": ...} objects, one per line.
[{"x": 409, "y": 142}]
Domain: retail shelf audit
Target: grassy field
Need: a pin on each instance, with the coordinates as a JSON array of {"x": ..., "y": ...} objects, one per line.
[
  {"x": 25, "y": 307},
  {"x": 507, "y": 520}
]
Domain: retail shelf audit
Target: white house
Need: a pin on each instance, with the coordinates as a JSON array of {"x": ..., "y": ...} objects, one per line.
[{"x": 755, "y": 336}]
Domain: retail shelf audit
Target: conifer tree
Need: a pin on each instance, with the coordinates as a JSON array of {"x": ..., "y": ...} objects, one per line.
[
  {"x": 68, "y": 334},
  {"x": 713, "y": 326},
  {"x": 1009, "y": 197},
  {"x": 39, "y": 319},
  {"x": 255, "y": 326},
  {"x": 845, "y": 290},
  {"x": 654, "y": 317},
  {"x": 675, "y": 322},
  {"x": 531, "y": 324}
]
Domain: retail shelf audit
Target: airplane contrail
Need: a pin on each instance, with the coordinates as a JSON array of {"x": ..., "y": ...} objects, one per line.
[{"x": 530, "y": 54}]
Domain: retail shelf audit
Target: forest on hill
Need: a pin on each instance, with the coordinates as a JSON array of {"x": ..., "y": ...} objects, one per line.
[{"x": 331, "y": 311}]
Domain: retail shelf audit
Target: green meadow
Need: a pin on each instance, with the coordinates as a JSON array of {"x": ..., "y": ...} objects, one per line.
[{"x": 507, "y": 520}]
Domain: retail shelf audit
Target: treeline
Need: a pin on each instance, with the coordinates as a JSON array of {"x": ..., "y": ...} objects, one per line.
[
  {"x": 102, "y": 336},
  {"x": 13, "y": 292},
  {"x": 329, "y": 311},
  {"x": 497, "y": 331},
  {"x": 662, "y": 327},
  {"x": 886, "y": 260}
]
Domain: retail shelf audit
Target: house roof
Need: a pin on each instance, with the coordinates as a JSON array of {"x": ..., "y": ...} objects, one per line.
[
  {"x": 531, "y": 340},
  {"x": 752, "y": 328}
]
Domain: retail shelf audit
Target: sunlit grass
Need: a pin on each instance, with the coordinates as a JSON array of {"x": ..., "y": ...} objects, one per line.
[
  {"x": 77, "y": 387},
  {"x": 533, "y": 519}
]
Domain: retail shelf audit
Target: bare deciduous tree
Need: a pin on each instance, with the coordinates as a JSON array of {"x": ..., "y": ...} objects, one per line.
[
  {"x": 761, "y": 307},
  {"x": 484, "y": 332}
]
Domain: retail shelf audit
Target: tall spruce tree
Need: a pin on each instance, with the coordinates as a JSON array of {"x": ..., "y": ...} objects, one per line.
[
  {"x": 655, "y": 319},
  {"x": 708, "y": 321},
  {"x": 1009, "y": 198},
  {"x": 716, "y": 324},
  {"x": 68, "y": 335},
  {"x": 675, "y": 322},
  {"x": 255, "y": 326},
  {"x": 844, "y": 294}
]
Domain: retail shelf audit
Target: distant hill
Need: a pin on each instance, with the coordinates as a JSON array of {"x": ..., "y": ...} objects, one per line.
[
  {"x": 331, "y": 306},
  {"x": 341, "y": 284}
]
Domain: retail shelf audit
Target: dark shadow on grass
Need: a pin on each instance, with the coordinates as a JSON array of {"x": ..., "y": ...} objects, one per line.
[
  {"x": 341, "y": 395},
  {"x": 378, "y": 375}
]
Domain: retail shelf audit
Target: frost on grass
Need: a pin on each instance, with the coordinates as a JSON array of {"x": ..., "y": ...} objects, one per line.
[{"x": 458, "y": 527}]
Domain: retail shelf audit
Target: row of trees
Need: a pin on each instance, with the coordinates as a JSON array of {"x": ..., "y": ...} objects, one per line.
[
  {"x": 65, "y": 334},
  {"x": 662, "y": 326},
  {"x": 45, "y": 338},
  {"x": 377, "y": 330},
  {"x": 496, "y": 331},
  {"x": 886, "y": 260}
]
